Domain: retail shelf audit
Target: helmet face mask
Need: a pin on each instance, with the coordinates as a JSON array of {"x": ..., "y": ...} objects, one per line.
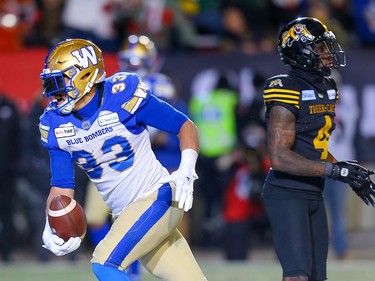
[
  {"x": 138, "y": 54},
  {"x": 71, "y": 69},
  {"x": 306, "y": 43}
]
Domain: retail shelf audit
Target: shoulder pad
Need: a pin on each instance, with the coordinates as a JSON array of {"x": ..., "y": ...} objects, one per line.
[
  {"x": 44, "y": 125},
  {"x": 47, "y": 124},
  {"x": 43, "y": 129},
  {"x": 140, "y": 96},
  {"x": 122, "y": 85},
  {"x": 131, "y": 80},
  {"x": 281, "y": 88},
  {"x": 281, "y": 81},
  {"x": 128, "y": 90},
  {"x": 331, "y": 82}
]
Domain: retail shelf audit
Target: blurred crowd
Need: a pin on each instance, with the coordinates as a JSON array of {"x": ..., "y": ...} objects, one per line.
[{"x": 178, "y": 25}]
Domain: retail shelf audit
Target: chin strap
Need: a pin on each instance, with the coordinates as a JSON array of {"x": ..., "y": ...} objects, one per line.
[{"x": 68, "y": 108}]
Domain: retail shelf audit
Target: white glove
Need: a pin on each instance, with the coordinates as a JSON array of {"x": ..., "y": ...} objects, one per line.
[
  {"x": 184, "y": 178},
  {"x": 56, "y": 244}
]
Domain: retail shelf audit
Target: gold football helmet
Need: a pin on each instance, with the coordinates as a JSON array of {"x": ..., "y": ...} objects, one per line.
[
  {"x": 71, "y": 69},
  {"x": 138, "y": 54}
]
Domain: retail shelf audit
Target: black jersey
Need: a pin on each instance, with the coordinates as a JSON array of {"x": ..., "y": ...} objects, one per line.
[{"x": 312, "y": 99}]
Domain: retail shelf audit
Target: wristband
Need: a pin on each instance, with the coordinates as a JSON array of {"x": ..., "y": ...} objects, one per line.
[
  {"x": 328, "y": 169},
  {"x": 189, "y": 158}
]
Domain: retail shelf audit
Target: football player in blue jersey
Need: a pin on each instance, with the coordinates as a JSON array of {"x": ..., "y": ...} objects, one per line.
[
  {"x": 138, "y": 54},
  {"x": 101, "y": 124},
  {"x": 300, "y": 110}
]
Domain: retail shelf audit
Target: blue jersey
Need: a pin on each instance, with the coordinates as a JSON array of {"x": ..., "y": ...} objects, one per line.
[{"x": 112, "y": 146}]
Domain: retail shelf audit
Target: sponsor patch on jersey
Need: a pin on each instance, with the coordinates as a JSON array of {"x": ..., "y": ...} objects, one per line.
[
  {"x": 108, "y": 119},
  {"x": 308, "y": 95},
  {"x": 331, "y": 94},
  {"x": 65, "y": 132},
  {"x": 86, "y": 125}
]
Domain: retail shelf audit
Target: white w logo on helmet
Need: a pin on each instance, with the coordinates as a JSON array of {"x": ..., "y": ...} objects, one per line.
[{"x": 84, "y": 55}]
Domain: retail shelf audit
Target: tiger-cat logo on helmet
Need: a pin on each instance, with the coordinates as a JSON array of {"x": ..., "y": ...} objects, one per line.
[{"x": 297, "y": 32}]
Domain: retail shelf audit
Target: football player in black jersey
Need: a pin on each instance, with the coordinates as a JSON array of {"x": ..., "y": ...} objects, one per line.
[{"x": 300, "y": 110}]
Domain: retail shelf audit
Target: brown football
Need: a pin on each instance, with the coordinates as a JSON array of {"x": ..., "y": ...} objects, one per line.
[{"x": 67, "y": 218}]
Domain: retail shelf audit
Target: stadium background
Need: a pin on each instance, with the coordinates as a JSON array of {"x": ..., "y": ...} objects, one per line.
[{"x": 20, "y": 82}]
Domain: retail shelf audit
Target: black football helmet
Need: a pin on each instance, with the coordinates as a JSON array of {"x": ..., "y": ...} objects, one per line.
[{"x": 300, "y": 45}]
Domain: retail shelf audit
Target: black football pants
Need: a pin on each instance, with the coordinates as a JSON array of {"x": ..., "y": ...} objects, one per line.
[{"x": 300, "y": 236}]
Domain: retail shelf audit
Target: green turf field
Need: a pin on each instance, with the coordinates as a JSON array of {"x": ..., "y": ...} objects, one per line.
[{"x": 215, "y": 271}]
